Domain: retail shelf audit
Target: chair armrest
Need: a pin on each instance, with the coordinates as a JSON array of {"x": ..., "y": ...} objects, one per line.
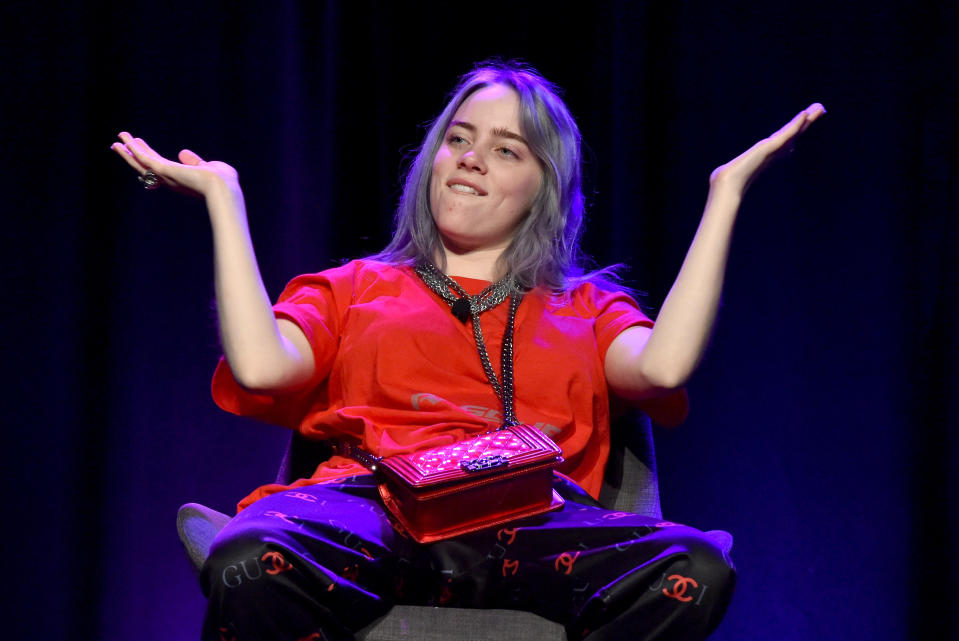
[{"x": 197, "y": 526}]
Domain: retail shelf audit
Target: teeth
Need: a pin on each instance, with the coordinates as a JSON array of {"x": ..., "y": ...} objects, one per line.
[{"x": 466, "y": 189}]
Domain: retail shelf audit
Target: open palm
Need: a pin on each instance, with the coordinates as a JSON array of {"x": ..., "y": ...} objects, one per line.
[
  {"x": 741, "y": 171},
  {"x": 192, "y": 175}
]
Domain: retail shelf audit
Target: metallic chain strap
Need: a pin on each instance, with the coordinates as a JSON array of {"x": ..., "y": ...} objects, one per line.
[
  {"x": 354, "y": 451},
  {"x": 441, "y": 284},
  {"x": 505, "y": 391}
]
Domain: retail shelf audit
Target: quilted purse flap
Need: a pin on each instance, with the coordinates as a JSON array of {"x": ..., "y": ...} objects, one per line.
[{"x": 512, "y": 448}]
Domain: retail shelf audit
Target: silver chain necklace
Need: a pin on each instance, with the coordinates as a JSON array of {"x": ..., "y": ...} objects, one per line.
[{"x": 465, "y": 306}]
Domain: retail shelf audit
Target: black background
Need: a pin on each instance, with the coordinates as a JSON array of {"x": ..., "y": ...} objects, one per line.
[{"x": 823, "y": 423}]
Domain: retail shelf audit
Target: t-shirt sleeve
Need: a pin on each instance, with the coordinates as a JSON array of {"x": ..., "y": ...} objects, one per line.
[
  {"x": 613, "y": 312},
  {"x": 616, "y": 312},
  {"x": 317, "y": 304}
]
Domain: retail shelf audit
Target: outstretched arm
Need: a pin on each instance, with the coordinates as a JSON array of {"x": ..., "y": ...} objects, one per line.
[
  {"x": 643, "y": 363},
  {"x": 264, "y": 354}
]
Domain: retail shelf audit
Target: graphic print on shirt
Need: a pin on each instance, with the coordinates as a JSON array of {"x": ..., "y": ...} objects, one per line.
[{"x": 425, "y": 401}]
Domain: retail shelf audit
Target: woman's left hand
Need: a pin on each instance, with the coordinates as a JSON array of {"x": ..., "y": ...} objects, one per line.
[
  {"x": 644, "y": 363},
  {"x": 737, "y": 174}
]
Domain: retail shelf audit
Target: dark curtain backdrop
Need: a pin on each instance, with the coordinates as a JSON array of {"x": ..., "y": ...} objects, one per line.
[{"x": 823, "y": 425}]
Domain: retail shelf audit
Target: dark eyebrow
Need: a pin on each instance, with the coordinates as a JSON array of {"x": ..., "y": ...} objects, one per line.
[{"x": 498, "y": 132}]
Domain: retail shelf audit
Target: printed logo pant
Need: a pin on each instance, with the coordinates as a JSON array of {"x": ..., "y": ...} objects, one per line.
[{"x": 320, "y": 562}]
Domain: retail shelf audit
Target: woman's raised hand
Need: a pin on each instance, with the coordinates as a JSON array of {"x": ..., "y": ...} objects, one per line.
[
  {"x": 638, "y": 364},
  {"x": 264, "y": 354},
  {"x": 737, "y": 174},
  {"x": 192, "y": 175}
]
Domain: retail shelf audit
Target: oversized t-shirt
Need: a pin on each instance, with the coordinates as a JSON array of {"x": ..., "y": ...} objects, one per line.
[{"x": 396, "y": 370}]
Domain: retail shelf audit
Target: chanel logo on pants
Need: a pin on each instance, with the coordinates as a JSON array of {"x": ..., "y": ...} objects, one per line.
[
  {"x": 235, "y": 574},
  {"x": 679, "y": 588}
]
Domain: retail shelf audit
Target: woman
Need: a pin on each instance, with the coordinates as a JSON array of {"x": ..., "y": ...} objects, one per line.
[{"x": 370, "y": 352}]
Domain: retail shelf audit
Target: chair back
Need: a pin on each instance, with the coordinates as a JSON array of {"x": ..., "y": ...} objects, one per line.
[
  {"x": 301, "y": 458},
  {"x": 631, "y": 483}
]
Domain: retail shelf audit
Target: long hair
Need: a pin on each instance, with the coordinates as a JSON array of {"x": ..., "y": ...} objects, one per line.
[{"x": 545, "y": 250}]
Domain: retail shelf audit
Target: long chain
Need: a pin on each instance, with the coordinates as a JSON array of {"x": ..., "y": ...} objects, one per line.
[{"x": 498, "y": 291}]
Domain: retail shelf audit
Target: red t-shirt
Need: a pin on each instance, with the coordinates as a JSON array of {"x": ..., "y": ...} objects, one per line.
[{"x": 397, "y": 370}]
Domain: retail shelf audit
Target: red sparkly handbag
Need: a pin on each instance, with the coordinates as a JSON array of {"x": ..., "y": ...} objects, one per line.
[{"x": 481, "y": 482}]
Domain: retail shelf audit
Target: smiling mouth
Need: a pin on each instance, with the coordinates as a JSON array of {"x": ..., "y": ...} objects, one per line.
[{"x": 464, "y": 189}]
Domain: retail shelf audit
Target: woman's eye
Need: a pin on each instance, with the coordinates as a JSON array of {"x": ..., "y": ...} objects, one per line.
[
  {"x": 455, "y": 139},
  {"x": 509, "y": 153}
]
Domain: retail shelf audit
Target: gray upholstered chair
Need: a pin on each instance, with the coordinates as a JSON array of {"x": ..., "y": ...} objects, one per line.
[{"x": 630, "y": 485}]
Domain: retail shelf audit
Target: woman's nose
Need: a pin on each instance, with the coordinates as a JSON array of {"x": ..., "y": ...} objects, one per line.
[{"x": 471, "y": 161}]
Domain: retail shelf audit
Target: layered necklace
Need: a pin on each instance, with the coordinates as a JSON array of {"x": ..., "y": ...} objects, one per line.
[{"x": 465, "y": 307}]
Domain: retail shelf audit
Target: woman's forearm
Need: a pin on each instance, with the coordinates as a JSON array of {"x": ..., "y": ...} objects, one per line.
[
  {"x": 685, "y": 322},
  {"x": 259, "y": 354},
  {"x": 263, "y": 353},
  {"x": 642, "y": 363}
]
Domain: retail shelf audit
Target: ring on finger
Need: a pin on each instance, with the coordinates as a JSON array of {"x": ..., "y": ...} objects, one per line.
[{"x": 149, "y": 181}]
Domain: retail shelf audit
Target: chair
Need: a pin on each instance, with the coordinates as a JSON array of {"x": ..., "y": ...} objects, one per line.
[{"x": 630, "y": 484}]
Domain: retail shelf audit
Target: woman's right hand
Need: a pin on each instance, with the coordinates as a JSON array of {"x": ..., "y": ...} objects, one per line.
[{"x": 192, "y": 175}]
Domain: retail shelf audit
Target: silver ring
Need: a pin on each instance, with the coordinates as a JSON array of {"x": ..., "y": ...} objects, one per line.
[{"x": 149, "y": 181}]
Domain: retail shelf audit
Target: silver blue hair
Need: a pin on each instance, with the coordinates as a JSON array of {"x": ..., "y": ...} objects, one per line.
[{"x": 545, "y": 250}]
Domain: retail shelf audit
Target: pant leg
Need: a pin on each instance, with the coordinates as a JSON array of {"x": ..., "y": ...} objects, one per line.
[
  {"x": 312, "y": 564},
  {"x": 603, "y": 574}
]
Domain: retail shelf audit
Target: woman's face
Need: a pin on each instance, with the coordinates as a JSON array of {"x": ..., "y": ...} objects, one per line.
[{"x": 484, "y": 175}]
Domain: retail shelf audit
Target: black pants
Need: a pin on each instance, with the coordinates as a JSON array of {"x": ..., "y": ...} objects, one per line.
[{"x": 321, "y": 562}]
